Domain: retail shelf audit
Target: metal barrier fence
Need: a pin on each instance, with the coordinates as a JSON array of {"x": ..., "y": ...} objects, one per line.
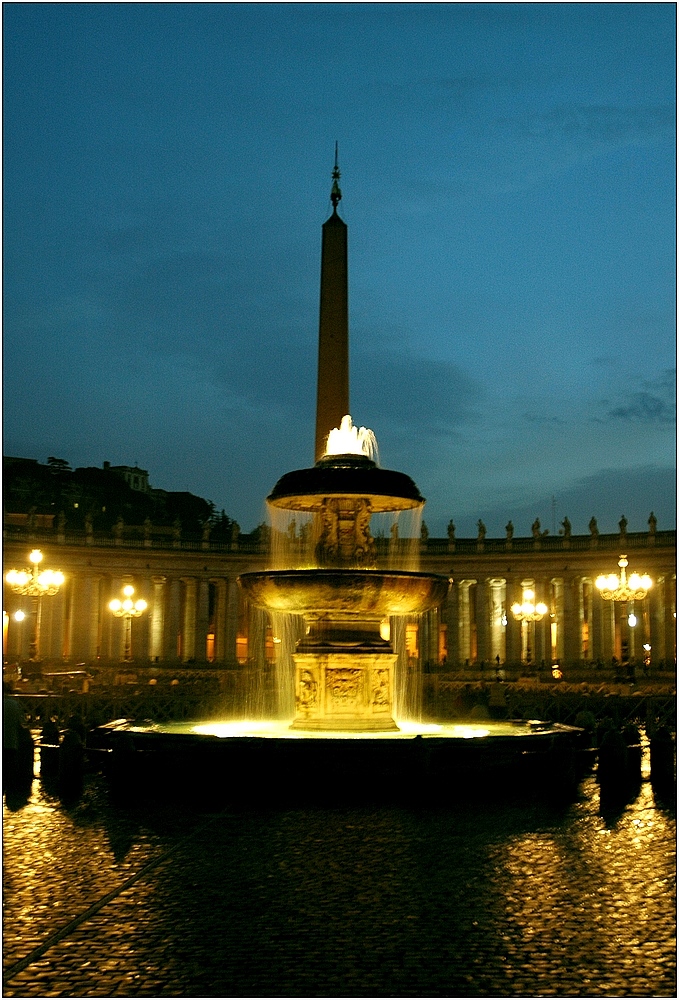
[
  {"x": 448, "y": 699},
  {"x": 231, "y": 695}
]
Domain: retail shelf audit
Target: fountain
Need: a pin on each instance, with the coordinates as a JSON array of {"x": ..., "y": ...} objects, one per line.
[
  {"x": 344, "y": 666},
  {"x": 343, "y": 734}
]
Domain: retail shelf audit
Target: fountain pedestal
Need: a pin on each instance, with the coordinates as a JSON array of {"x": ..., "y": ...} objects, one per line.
[{"x": 344, "y": 691}]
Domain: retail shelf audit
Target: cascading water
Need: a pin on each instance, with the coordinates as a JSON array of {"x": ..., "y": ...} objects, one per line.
[{"x": 349, "y": 672}]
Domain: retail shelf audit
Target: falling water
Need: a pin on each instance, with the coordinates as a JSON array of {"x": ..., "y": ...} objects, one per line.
[
  {"x": 294, "y": 538},
  {"x": 294, "y": 535},
  {"x": 287, "y": 631}
]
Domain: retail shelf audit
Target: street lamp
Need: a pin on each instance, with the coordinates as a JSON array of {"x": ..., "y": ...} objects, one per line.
[
  {"x": 621, "y": 590},
  {"x": 528, "y": 613},
  {"x": 127, "y": 610},
  {"x": 614, "y": 588},
  {"x": 36, "y": 585}
]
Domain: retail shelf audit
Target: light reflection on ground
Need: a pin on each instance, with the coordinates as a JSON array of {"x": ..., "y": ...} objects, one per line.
[{"x": 407, "y": 730}]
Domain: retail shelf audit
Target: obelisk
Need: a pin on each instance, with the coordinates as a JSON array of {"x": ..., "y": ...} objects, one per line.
[{"x": 332, "y": 394}]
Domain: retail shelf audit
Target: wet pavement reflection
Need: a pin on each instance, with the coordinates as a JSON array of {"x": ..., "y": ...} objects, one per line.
[{"x": 470, "y": 900}]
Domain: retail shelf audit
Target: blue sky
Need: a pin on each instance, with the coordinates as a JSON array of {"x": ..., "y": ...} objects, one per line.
[{"x": 508, "y": 173}]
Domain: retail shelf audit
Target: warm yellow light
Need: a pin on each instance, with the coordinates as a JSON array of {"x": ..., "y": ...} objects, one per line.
[
  {"x": 528, "y": 611},
  {"x": 127, "y": 604},
  {"x": 622, "y": 588},
  {"x": 140, "y": 606},
  {"x": 128, "y": 590},
  {"x": 115, "y": 605},
  {"x": 19, "y": 616},
  {"x": 36, "y": 556},
  {"x": 632, "y": 620}
]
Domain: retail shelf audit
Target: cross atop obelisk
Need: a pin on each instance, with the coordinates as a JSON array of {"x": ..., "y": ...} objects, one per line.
[{"x": 332, "y": 394}]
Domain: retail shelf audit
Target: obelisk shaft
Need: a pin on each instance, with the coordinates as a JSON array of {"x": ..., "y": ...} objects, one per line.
[
  {"x": 332, "y": 399},
  {"x": 332, "y": 394}
]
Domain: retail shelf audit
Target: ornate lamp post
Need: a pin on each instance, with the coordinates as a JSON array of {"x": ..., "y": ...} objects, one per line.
[
  {"x": 35, "y": 584},
  {"x": 127, "y": 610},
  {"x": 528, "y": 613},
  {"x": 614, "y": 588},
  {"x": 621, "y": 590}
]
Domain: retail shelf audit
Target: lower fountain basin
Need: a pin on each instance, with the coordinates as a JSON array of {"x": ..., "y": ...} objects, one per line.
[
  {"x": 270, "y": 765},
  {"x": 344, "y": 592}
]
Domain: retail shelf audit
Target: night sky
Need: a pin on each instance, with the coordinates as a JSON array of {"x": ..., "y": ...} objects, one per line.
[{"x": 508, "y": 178}]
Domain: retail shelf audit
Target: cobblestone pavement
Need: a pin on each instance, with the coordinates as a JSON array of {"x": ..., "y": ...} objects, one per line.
[{"x": 468, "y": 901}]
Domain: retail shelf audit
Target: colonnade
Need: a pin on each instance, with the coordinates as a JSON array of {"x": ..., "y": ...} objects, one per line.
[
  {"x": 188, "y": 619},
  {"x": 578, "y": 627},
  {"x": 196, "y": 613}
]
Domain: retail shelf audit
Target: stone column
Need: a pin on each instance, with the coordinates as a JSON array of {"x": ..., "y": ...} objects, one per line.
[
  {"x": 117, "y": 626},
  {"x": 464, "y": 621},
  {"x": 429, "y": 642},
  {"x": 94, "y": 637},
  {"x": 189, "y": 618},
  {"x": 231, "y": 625},
  {"x": 51, "y": 626},
  {"x": 607, "y": 631},
  {"x": 669, "y": 622},
  {"x": 557, "y": 605},
  {"x": 202, "y": 620},
  {"x": 482, "y": 598},
  {"x": 587, "y": 594},
  {"x": 572, "y": 637},
  {"x": 497, "y": 606},
  {"x": 542, "y": 644},
  {"x": 514, "y": 595},
  {"x": 220, "y": 619},
  {"x": 157, "y": 618},
  {"x": 172, "y": 620},
  {"x": 82, "y": 615},
  {"x": 451, "y": 618}
]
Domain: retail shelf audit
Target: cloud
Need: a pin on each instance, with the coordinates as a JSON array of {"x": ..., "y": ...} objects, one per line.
[
  {"x": 595, "y": 127},
  {"x": 655, "y": 404},
  {"x": 415, "y": 395},
  {"x": 606, "y": 495},
  {"x": 542, "y": 419}
]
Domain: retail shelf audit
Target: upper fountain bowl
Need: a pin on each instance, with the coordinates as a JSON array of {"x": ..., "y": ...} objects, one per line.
[
  {"x": 348, "y": 476},
  {"x": 345, "y": 592}
]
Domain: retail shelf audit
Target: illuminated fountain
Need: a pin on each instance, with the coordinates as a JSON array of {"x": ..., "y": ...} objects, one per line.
[
  {"x": 344, "y": 666},
  {"x": 340, "y": 736}
]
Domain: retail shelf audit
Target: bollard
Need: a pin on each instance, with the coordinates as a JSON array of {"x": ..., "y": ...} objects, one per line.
[
  {"x": 632, "y": 739},
  {"x": 124, "y": 779},
  {"x": 71, "y": 767},
  {"x": 612, "y": 770},
  {"x": 26, "y": 761},
  {"x": 662, "y": 761},
  {"x": 49, "y": 751}
]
